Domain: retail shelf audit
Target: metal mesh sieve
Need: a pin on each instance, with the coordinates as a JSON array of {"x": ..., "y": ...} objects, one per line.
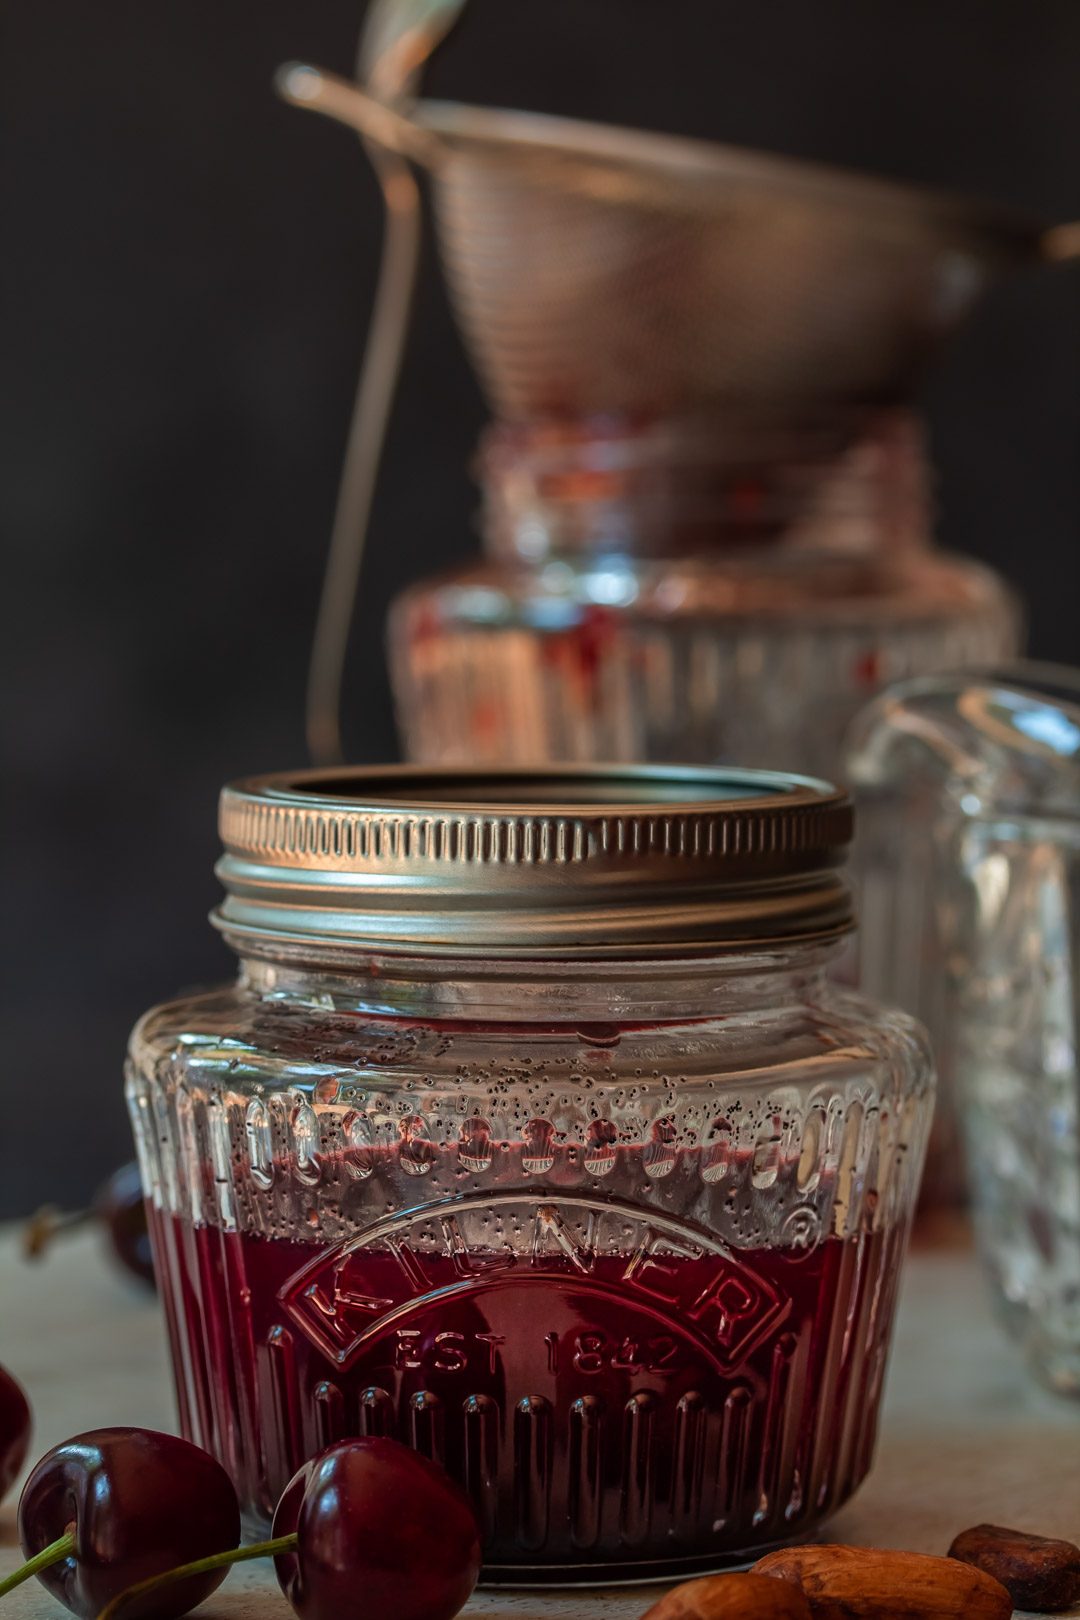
[
  {"x": 605, "y": 270},
  {"x": 600, "y": 270}
]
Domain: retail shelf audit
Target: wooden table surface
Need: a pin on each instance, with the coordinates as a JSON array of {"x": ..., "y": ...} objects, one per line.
[{"x": 967, "y": 1436}]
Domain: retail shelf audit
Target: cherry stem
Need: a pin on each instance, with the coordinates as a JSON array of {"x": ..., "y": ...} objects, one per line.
[
  {"x": 48, "y": 1223},
  {"x": 201, "y": 1566},
  {"x": 63, "y": 1547}
]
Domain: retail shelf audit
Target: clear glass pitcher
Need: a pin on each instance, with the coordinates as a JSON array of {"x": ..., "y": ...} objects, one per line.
[{"x": 970, "y": 878}]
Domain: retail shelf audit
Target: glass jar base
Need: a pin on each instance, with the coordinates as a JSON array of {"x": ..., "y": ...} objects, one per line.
[
  {"x": 588, "y": 1576},
  {"x": 598, "y": 1576}
]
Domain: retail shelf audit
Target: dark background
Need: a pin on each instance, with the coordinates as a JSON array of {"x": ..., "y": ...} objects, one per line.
[{"x": 188, "y": 267}]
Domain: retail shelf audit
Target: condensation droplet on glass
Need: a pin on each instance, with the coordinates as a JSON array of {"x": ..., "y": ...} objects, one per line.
[
  {"x": 359, "y": 1161},
  {"x": 304, "y": 1128},
  {"x": 538, "y": 1153},
  {"x": 416, "y": 1154},
  {"x": 475, "y": 1149},
  {"x": 260, "y": 1151},
  {"x": 600, "y": 1151}
]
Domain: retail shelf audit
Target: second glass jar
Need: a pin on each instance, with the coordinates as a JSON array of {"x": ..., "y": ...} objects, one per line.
[{"x": 727, "y": 591}]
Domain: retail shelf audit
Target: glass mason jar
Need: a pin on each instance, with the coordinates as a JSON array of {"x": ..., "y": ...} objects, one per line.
[
  {"x": 695, "y": 590},
  {"x": 535, "y": 1134}
]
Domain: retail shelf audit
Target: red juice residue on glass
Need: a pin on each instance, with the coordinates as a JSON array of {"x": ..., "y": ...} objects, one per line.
[{"x": 645, "y": 1399}]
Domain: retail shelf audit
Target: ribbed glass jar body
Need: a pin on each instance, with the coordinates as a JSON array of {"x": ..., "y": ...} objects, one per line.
[
  {"x": 682, "y": 593},
  {"x": 618, "y": 1243},
  {"x": 764, "y": 661}
]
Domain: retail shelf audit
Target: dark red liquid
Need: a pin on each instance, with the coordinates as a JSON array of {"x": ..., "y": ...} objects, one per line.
[{"x": 632, "y": 1408}]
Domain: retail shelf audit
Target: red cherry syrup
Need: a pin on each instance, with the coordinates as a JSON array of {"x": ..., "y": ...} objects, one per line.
[{"x": 620, "y": 1393}]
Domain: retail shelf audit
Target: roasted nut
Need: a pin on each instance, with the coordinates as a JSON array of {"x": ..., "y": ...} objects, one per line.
[
  {"x": 863, "y": 1583},
  {"x": 1036, "y": 1572},
  {"x": 731, "y": 1597}
]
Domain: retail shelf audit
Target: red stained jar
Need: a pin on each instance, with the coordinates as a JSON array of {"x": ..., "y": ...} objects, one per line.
[{"x": 534, "y": 1134}]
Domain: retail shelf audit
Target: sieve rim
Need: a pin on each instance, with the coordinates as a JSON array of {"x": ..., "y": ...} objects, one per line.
[{"x": 507, "y": 133}]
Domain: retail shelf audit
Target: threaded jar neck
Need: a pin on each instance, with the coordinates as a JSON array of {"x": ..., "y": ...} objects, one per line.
[{"x": 621, "y": 994}]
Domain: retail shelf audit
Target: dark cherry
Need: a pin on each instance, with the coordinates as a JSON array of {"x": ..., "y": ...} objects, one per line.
[
  {"x": 381, "y": 1534},
  {"x": 368, "y": 1530},
  {"x": 119, "y": 1506},
  {"x": 120, "y": 1206},
  {"x": 14, "y": 1430}
]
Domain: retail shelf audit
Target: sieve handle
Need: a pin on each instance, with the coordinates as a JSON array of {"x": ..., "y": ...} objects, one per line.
[
  {"x": 311, "y": 87},
  {"x": 398, "y": 40},
  {"x": 391, "y": 141}
]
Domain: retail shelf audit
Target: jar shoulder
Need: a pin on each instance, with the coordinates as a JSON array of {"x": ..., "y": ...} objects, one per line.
[
  {"x": 722, "y": 584},
  {"x": 255, "y": 1039}
]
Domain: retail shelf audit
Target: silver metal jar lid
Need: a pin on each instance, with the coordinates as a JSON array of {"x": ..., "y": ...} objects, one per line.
[{"x": 563, "y": 863}]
